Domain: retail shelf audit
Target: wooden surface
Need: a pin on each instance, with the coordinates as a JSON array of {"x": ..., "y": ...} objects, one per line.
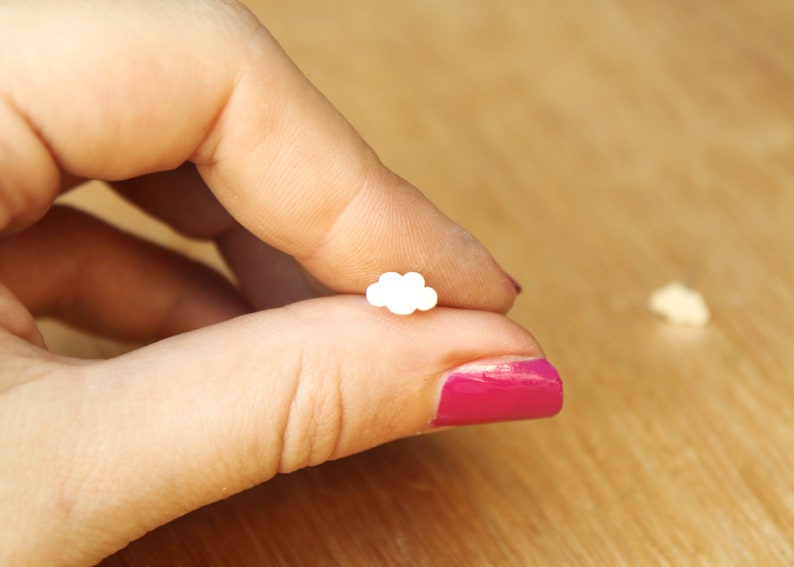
[{"x": 600, "y": 150}]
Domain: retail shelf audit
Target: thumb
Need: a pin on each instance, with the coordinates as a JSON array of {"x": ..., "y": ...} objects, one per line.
[{"x": 200, "y": 416}]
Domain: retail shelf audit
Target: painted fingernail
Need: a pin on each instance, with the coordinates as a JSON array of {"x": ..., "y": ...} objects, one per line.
[
  {"x": 515, "y": 284},
  {"x": 500, "y": 389}
]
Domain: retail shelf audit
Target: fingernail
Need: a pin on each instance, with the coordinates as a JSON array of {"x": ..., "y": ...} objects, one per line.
[
  {"x": 500, "y": 389},
  {"x": 515, "y": 284}
]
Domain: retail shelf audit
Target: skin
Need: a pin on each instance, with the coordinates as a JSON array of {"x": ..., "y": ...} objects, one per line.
[{"x": 191, "y": 110}]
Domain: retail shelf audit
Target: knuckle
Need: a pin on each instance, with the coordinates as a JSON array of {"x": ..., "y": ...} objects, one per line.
[{"x": 315, "y": 419}]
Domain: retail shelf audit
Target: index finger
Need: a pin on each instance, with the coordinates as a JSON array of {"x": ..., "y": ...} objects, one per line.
[{"x": 220, "y": 92}]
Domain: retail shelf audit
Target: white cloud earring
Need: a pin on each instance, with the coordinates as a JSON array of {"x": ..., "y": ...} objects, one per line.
[{"x": 402, "y": 295}]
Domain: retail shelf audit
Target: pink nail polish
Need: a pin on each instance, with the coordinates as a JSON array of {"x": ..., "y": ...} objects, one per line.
[{"x": 495, "y": 390}]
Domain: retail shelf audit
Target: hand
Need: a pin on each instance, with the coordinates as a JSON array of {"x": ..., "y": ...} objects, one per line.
[{"x": 192, "y": 111}]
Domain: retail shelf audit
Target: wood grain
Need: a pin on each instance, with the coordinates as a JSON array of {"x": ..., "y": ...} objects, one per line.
[{"x": 600, "y": 150}]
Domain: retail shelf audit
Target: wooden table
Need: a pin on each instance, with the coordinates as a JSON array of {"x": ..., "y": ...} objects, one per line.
[{"x": 600, "y": 150}]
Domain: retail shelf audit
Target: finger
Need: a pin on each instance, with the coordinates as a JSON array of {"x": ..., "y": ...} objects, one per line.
[
  {"x": 321, "y": 195},
  {"x": 73, "y": 267},
  {"x": 214, "y": 412},
  {"x": 180, "y": 198},
  {"x": 266, "y": 276},
  {"x": 15, "y": 318},
  {"x": 276, "y": 154}
]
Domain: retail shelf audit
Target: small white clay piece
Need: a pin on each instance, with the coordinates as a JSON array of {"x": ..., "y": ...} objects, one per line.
[
  {"x": 402, "y": 295},
  {"x": 679, "y": 305}
]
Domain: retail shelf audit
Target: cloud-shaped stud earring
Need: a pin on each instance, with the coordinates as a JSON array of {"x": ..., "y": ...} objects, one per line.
[{"x": 402, "y": 295}]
